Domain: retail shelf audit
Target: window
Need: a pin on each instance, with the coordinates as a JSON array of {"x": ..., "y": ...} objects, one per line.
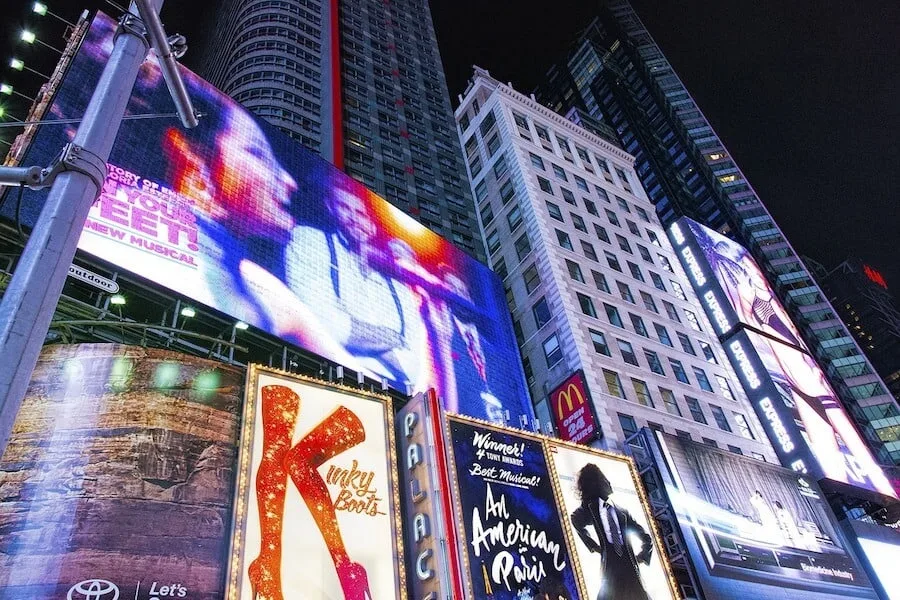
[
  {"x": 627, "y": 352},
  {"x": 554, "y": 211},
  {"x": 613, "y": 384},
  {"x": 559, "y": 172},
  {"x": 645, "y": 254},
  {"x": 590, "y": 206},
  {"x": 521, "y": 121},
  {"x": 623, "y": 244},
  {"x": 542, "y": 132},
  {"x": 625, "y": 292},
  {"x": 629, "y": 427},
  {"x": 642, "y": 392},
  {"x": 601, "y": 193},
  {"x": 493, "y": 241},
  {"x": 719, "y": 416},
  {"x": 552, "y": 351},
  {"x": 683, "y": 434},
  {"x": 600, "y": 281},
  {"x": 685, "y": 342},
  {"x": 523, "y": 246},
  {"x": 663, "y": 335},
  {"x": 487, "y": 214},
  {"x": 568, "y": 196},
  {"x": 514, "y": 218},
  {"x": 735, "y": 449},
  {"x": 649, "y": 304},
  {"x": 545, "y": 185},
  {"x": 581, "y": 183},
  {"x": 724, "y": 387},
  {"x": 588, "y": 250},
  {"x": 696, "y": 410},
  {"x": 574, "y": 271},
  {"x": 500, "y": 168},
  {"x": 563, "y": 238},
  {"x": 493, "y": 144},
  {"x": 708, "y": 353},
  {"x": 536, "y": 161},
  {"x": 657, "y": 281},
  {"x": 678, "y": 370},
  {"x": 642, "y": 214},
  {"x": 668, "y": 398},
  {"x": 599, "y": 341},
  {"x": 541, "y": 312},
  {"x": 633, "y": 228},
  {"x": 635, "y": 271},
  {"x": 487, "y": 122},
  {"x": 587, "y": 305},
  {"x": 612, "y": 313},
  {"x": 678, "y": 290},
  {"x": 612, "y": 218},
  {"x": 601, "y": 233},
  {"x": 653, "y": 239},
  {"x": 613, "y": 261},
  {"x": 622, "y": 204},
  {"x": 500, "y": 268},
  {"x": 710, "y": 442},
  {"x": 531, "y": 277},
  {"x": 671, "y": 311},
  {"x": 692, "y": 320},
  {"x": 665, "y": 263},
  {"x": 702, "y": 379},
  {"x": 481, "y": 190},
  {"x": 507, "y": 192},
  {"x": 743, "y": 426},
  {"x": 653, "y": 361},
  {"x": 578, "y": 222},
  {"x": 638, "y": 324}
]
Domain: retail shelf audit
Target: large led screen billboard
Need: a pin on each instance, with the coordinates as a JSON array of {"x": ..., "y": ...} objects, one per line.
[
  {"x": 755, "y": 530},
  {"x": 236, "y": 215},
  {"x": 118, "y": 478},
  {"x": 608, "y": 522},
  {"x": 513, "y": 545},
  {"x": 317, "y": 510},
  {"x": 803, "y": 415}
]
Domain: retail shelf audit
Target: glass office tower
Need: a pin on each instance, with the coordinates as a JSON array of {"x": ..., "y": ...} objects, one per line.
[
  {"x": 360, "y": 82},
  {"x": 616, "y": 73}
]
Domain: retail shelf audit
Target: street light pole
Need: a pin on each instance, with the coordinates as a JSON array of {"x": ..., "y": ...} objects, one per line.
[{"x": 30, "y": 300}]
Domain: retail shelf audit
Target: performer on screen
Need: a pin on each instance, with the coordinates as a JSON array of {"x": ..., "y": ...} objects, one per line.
[{"x": 605, "y": 528}]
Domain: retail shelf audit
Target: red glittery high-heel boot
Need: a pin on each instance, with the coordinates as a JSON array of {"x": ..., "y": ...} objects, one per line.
[
  {"x": 279, "y": 415},
  {"x": 338, "y": 432}
]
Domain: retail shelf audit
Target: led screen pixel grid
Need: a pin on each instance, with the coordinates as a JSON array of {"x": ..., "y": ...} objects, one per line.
[{"x": 239, "y": 217}]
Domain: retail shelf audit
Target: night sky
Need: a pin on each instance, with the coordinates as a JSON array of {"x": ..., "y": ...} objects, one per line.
[{"x": 805, "y": 94}]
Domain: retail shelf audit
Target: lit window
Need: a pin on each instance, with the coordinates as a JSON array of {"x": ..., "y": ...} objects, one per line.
[{"x": 642, "y": 392}]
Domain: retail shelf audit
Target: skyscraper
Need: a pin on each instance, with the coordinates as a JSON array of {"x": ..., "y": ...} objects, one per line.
[
  {"x": 616, "y": 73},
  {"x": 360, "y": 82},
  {"x": 591, "y": 278}
]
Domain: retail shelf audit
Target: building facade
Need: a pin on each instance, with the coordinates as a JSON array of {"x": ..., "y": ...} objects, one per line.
[
  {"x": 591, "y": 279},
  {"x": 618, "y": 74},
  {"x": 361, "y": 83}
]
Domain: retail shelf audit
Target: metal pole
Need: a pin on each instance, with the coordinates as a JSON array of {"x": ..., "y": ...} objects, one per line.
[{"x": 30, "y": 300}]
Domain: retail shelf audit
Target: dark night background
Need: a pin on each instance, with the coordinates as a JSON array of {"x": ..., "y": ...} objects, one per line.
[{"x": 805, "y": 94}]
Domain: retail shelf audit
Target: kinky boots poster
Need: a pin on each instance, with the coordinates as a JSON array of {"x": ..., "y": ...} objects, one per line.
[{"x": 514, "y": 543}]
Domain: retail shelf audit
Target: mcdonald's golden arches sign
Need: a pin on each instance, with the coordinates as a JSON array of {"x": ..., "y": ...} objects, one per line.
[{"x": 573, "y": 414}]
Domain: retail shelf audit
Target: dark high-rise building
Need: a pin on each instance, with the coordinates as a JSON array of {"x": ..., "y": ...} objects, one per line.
[
  {"x": 360, "y": 82},
  {"x": 616, "y": 73},
  {"x": 860, "y": 295}
]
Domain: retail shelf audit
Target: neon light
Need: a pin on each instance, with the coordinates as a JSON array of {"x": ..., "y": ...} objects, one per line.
[
  {"x": 781, "y": 434},
  {"x": 675, "y": 229},
  {"x": 693, "y": 266},
  {"x": 743, "y": 362},
  {"x": 875, "y": 276},
  {"x": 718, "y": 314}
]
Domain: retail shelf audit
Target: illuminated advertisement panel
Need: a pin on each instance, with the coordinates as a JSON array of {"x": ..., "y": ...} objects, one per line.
[
  {"x": 514, "y": 544},
  {"x": 755, "y": 530},
  {"x": 608, "y": 522},
  {"x": 573, "y": 411},
  {"x": 803, "y": 416},
  {"x": 317, "y": 511},
  {"x": 237, "y": 216},
  {"x": 118, "y": 478},
  {"x": 880, "y": 546}
]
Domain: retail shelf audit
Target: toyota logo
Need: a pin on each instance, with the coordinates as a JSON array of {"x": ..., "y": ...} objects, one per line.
[{"x": 93, "y": 589}]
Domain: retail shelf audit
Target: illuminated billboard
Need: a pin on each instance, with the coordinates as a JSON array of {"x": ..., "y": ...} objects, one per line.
[
  {"x": 317, "y": 511},
  {"x": 608, "y": 522},
  {"x": 118, "y": 478},
  {"x": 755, "y": 530},
  {"x": 801, "y": 412},
  {"x": 513, "y": 545},
  {"x": 573, "y": 412},
  {"x": 880, "y": 549},
  {"x": 236, "y": 215}
]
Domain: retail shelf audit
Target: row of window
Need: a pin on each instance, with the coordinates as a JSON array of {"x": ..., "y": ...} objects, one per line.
[{"x": 629, "y": 428}]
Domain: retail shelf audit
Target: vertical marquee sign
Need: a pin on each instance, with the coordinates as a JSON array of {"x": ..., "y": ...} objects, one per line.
[
  {"x": 507, "y": 516},
  {"x": 573, "y": 411},
  {"x": 317, "y": 510}
]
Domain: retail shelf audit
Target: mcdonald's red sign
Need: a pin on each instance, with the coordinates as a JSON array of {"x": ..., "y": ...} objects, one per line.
[{"x": 572, "y": 411}]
